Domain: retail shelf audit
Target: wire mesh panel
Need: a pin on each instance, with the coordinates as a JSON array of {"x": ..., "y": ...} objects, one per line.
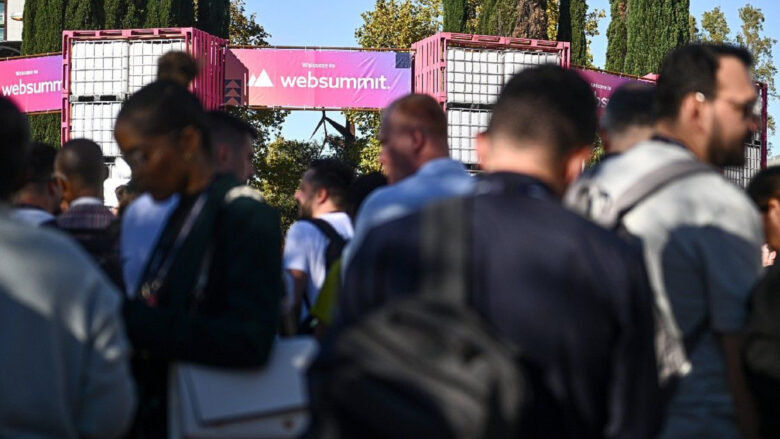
[
  {"x": 143, "y": 59},
  {"x": 516, "y": 61},
  {"x": 95, "y": 121},
  {"x": 741, "y": 175},
  {"x": 474, "y": 76},
  {"x": 99, "y": 68},
  {"x": 463, "y": 125}
]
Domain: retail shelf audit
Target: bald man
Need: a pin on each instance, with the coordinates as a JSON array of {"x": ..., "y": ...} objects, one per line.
[
  {"x": 80, "y": 171},
  {"x": 415, "y": 157}
]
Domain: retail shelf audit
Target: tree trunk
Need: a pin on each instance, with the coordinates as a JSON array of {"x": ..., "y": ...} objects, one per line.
[{"x": 531, "y": 19}]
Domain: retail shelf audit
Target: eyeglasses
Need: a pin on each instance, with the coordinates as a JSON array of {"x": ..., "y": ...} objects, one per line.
[{"x": 748, "y": 109}]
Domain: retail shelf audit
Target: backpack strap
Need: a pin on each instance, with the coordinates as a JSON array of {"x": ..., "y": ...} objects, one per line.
[
  {"x": 326, "y": 229},
  {"x": 655, "y": 181},
  {"x": 444, "y": 250}
]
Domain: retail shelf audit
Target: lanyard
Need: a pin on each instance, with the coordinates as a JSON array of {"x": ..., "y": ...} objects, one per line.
[{"x": 149, "y": 289}]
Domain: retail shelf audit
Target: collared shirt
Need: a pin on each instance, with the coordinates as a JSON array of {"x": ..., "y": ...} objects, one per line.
[
  {"x": 570, "y": 294},
  {"x": 86, "y": 201},
  {"x": 436, "y": 180},
  {"x": 142, "y": 223}
]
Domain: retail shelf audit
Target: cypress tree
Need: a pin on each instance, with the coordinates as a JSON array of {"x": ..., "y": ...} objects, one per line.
[
  {"x": 170, "y": 13},
  {"x": 214, "y": 17},
  {"x": 530, "y": 18},
  {"x": 454, "y": 15},
  {"x": 571, "y": 27},
  {"x": 486, "y": 13},
  {"x": 654, "y": 27},
  {"x": 123, "y": 14},
  {"x": 42, "y": 33},
  {"x": 497, "y": 17},
  {"x": 616, "y": 36},
  {"x": 83, "y": 15}
]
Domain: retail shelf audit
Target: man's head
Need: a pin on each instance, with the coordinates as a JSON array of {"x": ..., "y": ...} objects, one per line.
[
  {"x": 231, "y": 144},
  {"x": 39, "y": 187},
  {"x": 413, "y": 132},
  {"x": 14, "y": 144},
  {"x": 628, "y": 118},
  {"x": 323, "y": 188},
  {"x": 706, "y": 98},
  {"x": 764, "y": 189},
  {"x": 543, "y": 124},
  {"x": 80, "y": 169}
]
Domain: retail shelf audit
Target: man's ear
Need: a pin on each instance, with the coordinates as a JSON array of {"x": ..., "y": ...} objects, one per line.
[
  {"x": 483, "y": 150},
  {"x": 575, "y": 162},
  {"x": 773, "y": 207},
  {"x": 321, "y": 195}
]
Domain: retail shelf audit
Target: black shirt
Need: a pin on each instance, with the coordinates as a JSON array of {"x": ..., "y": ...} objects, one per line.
[{"x": 570, "y": 294}]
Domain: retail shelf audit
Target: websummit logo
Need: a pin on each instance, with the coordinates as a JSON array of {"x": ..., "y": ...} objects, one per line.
[{"x": 260, "y": 81}]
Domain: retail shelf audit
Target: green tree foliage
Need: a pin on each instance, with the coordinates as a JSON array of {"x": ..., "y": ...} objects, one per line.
[
  {"x": 280, "y": 167},
  {"x": 124, "y": 14},
  {"x": 616, "y": 36},
  {"x": 170, "y": 13},
  {"x": 592, "y": 30},
  {"x": 214, "y": 17},
  {"x": 454, "y": 15},
  {"x": 42, "y": 33},
  {"x": 714, "y": 28},
  {"x": 571, "y": 27},
  {"x": 530, "y": 19},
  {"x": 552, "y": 13},
  {"x": 392, "y": 23},
  {"x": 497, "y": 17},
  {"x": 751, "y": 37},
  {"x": 84, "y": 14},
  {"x": 654, "y": 27},
  {"x": 693, "y": 29}
]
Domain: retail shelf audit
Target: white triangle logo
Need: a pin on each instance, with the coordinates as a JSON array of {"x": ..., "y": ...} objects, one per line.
[
  {"x": 263, "y": 80},
  {"x": 252, "y": 80}
]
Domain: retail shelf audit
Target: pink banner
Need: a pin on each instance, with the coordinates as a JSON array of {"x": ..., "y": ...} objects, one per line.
[
  {"x": 316, "y": 78},
  {"x": 34, "y": 84},
  {"x": 603, "y": 84}
]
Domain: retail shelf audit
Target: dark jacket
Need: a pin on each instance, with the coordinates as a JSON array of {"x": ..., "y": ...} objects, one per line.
[
  {"x": 234, "y": 322},
  {"x": 571, "y": 295}
]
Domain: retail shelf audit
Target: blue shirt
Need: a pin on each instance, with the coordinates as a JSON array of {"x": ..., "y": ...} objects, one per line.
[
  {"x": 436, "y": 180},
  {"x": 142, "y": 223}
]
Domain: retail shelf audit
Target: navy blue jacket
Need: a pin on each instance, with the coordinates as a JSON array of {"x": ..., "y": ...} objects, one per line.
[{"x": 571, "y": 295}]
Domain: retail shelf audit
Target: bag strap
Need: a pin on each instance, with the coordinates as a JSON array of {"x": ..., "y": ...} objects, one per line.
[
  {"x": 326, "y": 229},
  {"x": 444, "y": 250},
  {"x": 655, "y": 181}
]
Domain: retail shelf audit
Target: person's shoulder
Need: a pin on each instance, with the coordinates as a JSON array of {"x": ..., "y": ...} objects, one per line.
[{"x": 243, "y": 201}]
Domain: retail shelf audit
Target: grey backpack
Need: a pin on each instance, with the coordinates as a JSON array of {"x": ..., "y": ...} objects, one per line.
[{"x": 608, "y": 208}]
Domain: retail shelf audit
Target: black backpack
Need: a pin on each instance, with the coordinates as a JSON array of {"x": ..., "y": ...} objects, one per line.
[
  {"x": 426, "y": 365},
  {"x": 336, "y": 244}
]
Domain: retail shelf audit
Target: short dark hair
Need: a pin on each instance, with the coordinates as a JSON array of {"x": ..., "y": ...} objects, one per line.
[
  {"x": 333, "y": 175},
  {"x": 229, "y": 129},
  {"x": 361, "y": 188},
  {"x": 546, "y": 104},
  {"x": 630, "y": 105},
  {"x": 424, "y": 110},
  {"x": 690, "y": 69},
  {"x": 764, "y": 186},
  {"x": 176, "y": 66},
  {"x": 82, "y": 159},
  {"x": 165, "y": 107},
  {"x": 39, "y": 164},
  {"x": 14, "y": 143}
]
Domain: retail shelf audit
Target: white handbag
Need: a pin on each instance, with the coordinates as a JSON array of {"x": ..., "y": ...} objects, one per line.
[{"x": 215, "y": 403}]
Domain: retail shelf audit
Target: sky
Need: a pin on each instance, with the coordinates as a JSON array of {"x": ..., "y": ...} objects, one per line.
[{"x": 333, "y": 24}]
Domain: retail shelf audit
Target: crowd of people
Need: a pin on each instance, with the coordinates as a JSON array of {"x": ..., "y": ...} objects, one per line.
[{"x": 542, "y": 297}]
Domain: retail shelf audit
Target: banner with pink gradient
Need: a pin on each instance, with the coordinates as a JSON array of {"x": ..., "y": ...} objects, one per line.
[
  {"x": 301, "y": 78},
  {"x": 34, "y": 84},
  {"x": 603, "y": 84}
]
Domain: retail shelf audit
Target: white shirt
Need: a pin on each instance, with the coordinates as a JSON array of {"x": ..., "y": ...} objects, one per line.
[{"x": 304, "y": 250}]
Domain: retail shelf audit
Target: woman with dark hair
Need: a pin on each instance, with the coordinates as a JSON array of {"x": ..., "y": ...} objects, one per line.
[{"x": 211, "y": 288}]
